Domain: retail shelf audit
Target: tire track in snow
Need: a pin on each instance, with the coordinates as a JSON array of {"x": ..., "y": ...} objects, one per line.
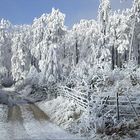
[
  {"x": 3, "y": 123},
  {"x": 28, "y": 122},
  {"x": 37, "y": 125},
  {"x": 38, "y": 113},
  {"x": 15, "y": 128},
  {"x": 53, "y": 132},
  {"x": 32, "y": 124}
]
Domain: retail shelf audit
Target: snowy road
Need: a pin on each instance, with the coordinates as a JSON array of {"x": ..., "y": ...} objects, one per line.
[{"x": 28, "y": 122}]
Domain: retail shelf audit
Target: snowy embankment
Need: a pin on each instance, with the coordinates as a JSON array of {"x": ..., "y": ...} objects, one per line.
[
  {"x": 37, "y": 125},
  {"x": 68, "y": 115},
  {"x": 29, "y": 122},
  {"x": 63, "y": 112}
]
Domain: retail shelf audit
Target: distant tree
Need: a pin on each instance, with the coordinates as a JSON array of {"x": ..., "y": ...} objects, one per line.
[
  {"x": 119, "y": 37},
  {"x": 103, "y": 19},
  {"x": 136, "y": 13},
  {"x": 52, "y": 70},
  {"x": 5, "y": 46},
  {"x": 21, "y": 59}
]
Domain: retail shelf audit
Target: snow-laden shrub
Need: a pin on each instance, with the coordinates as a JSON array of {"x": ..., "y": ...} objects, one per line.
[
  {"x": 97, "y": 80},
  {"x": 84, "y": 78},
  {"x": 62, "y": 111},
  {"x": 32, "y": 77},
  {"x": 7, "y": 81}
]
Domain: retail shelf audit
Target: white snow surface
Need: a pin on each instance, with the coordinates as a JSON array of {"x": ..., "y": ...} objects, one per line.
[
  {"x": 61, "y": 111},
  {"x": 29, "y": 127}
]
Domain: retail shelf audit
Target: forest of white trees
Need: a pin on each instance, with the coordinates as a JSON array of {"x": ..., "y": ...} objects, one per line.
[
  {"x": 72, "y": 72},
  {"x": 47, "y": 51}
]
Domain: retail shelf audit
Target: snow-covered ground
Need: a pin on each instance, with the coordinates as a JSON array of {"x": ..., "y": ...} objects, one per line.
[
  {"x": 29, "y": 122},
  {"x": 61, "y": 111}
]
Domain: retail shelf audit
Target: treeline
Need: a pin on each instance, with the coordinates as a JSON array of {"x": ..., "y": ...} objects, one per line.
[{"x": 47, "y": 51}]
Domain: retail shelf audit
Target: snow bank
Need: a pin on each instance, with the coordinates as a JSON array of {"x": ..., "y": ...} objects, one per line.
[{"x": 61, "y": 111}]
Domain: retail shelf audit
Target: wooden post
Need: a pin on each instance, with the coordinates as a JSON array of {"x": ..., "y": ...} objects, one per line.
[
  {"x": 133, "y": 108},
  {"x": 118, "y": 114},
  {"x": 89, "y": 110}
]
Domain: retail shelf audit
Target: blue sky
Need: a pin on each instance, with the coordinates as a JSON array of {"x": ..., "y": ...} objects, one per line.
[{"x": 24, "y": 11}]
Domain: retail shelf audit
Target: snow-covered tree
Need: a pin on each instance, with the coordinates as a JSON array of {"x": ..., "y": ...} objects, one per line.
[
  {"x": 103, "y": 19},
  {"x": 50, "y": 30},
  {"x": 49, "y": 49},
  {"x": 5, "y": 47},
  {"x": 103, "y": 15},
  {"x": 51, "y": 70},
  {"x": 119, "y": 37},
  {"x": 134, "y": 47},
  {"x": 21, "y": 59}
]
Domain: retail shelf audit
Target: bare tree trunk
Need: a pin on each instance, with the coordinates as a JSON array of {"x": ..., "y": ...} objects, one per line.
[
  {"x": 115, "y": 50},
  {"x": 125, "y": 56},
  {"x": 116, "y": 57},
  {"x": 117, "y": 101},
  {"x": 119, "y": 60},
  {"x": 113, "y": 58},
  {"x": 138, "y": 54},
  {"x": 76, "y": 53}
]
